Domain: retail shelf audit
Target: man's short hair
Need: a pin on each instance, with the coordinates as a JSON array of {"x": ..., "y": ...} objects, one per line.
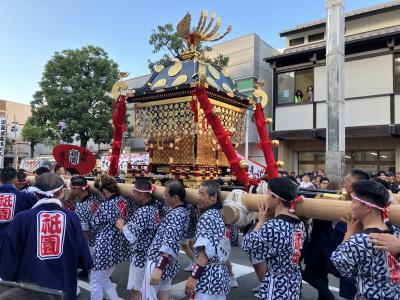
[
  {"x": 57, "y": 167},
  {"x": 21, "y": 176},
  {"x": 359, "y": 174},
  {"x": 383, "y": 182},
  {"x": 324, "y": 179},
  {"x": 72, "y": 171},
  {"x": 143, "y": 184},
  {"x": 213, "y": 188},
  {"x": 8, "y": 174},
  {"x": 78, "y": 181},
  {"x": 176, "y": 188},
  {"x": 284, "y": 188},
  {"x": 41, "y": 170},
  {"x": 48, "y": 182},
  {"x": 371, "y": 191}
]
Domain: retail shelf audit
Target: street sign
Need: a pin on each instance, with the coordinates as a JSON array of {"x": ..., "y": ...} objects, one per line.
[{"x": 3, "y": 126}]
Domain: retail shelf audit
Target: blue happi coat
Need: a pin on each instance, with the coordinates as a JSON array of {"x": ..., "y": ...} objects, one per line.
[
  {"x": 278, "y": 243},
  {"x": 45, "y": 245},
  {"x": 12, "y": 202}
]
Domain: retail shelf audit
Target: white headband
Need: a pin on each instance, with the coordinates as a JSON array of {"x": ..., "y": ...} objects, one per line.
[{"x": 46, "y": 193}]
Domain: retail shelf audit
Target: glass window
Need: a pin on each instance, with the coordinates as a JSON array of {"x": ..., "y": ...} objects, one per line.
[
  {"x": 304, "y": 82},
  {"x": 397, "y": 73},
  {"x": 311, "y": 161},
  {"x": 316, "y": 37},
  {"x": 296, "y": 87},
  {"x": 285, "y": 87},
  {"x": 296, "y": 42}
]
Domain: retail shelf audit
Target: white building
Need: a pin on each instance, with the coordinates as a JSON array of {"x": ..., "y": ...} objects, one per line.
[{"x": 372, "y": 92}]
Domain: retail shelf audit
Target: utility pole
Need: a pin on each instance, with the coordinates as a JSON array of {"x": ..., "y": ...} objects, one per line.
[{"x": 335, "y": 130}]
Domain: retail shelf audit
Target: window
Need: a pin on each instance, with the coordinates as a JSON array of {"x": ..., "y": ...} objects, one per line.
[
  {"x": 397, "y": 73},
  {"x": 368, "y": 160},
  {"x": 291, "y": 82},
  {"x": 316, "y": 37},
  {"x": 296, "y": 42},
  {"x": 371, "y": 160},
  {"x": 311, "y": 161}
]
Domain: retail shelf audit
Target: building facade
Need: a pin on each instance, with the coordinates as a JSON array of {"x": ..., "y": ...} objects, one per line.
[{"x": 372, "y": 92}]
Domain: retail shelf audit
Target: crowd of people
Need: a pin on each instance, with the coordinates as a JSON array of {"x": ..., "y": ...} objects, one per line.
[{"x": 46, "y": 235}]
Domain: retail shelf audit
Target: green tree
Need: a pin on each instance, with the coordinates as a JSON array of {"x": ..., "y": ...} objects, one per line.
[
  {"x": 165, "y": 39},
  {"x": 75, "y": 88},
  {"x": 32, "y": 133}
]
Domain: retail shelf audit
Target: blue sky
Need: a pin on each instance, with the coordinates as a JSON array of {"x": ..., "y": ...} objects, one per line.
[{"x": 31, "y": 31}]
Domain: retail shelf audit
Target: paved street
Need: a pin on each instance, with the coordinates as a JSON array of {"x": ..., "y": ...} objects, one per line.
[{"x": 242, "y": 268}]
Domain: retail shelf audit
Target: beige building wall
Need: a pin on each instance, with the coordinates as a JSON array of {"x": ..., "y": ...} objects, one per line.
[{"x": 21, "y": 112}]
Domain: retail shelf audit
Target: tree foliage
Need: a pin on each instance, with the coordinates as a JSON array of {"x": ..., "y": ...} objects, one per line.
[
  {"x": 32, "y": 133},
  {"x": 75, "y": 88},
  {"x": 165, "y": 39}
]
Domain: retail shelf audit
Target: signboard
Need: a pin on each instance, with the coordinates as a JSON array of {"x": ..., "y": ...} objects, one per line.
[
  {"x": 256, "y": 170},
  {"x": 138, "y": 159},
  {"x": 74, "y": 157},
  {"x": 30, "y": 165},
  {"x": 3, "y": 126}
]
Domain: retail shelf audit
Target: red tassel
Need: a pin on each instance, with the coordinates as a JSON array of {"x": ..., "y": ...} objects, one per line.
[
  {"x": 193, "y": 106},
  {"x": 385, "y": 213},
  {"x": 292, "y": 207},
  {"x": 118, "y": 118},
  {"x": 272, "y": 170}
]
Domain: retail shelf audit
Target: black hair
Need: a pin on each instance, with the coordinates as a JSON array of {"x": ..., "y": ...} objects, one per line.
[
  {"x": 176, "y": 188},
  {"x": 48, "y": 182},
  {"x": 213, "y": 188},
  {"x": 41, "y": 170},
  {"x": 57, "y": 167},
  {"x": 371, "y": 191},
  {"x": 324, "y": 179},
  {"x": 284, "y": 188},
  {"x": 21, "y": 176},
  {"x": 359, "y": 174},
  {"x": 382, "y": 172},
  {"x": 383, "y": 182},
  {"x": 78, "y": 181},
  {"x": 8, "y": 174},
  {"x": 72, "y": 171},
  {"x": 143, "y": 184}
]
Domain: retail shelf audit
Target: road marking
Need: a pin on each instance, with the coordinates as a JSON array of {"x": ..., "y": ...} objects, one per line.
[
  {"x": 86, "y": 286},
  {"x": 332, "y": 288}
]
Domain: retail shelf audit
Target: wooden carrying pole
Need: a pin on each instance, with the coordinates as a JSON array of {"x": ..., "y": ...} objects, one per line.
[{"x": 321, "y": 209}]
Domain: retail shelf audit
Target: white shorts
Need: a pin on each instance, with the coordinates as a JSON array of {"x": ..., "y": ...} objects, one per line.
[
  {"x": 255, "y": 261},
  {"x": 135, "y": 278},
  {"x": 202, "y": 296},
  {"x": 149, "y": 292}
]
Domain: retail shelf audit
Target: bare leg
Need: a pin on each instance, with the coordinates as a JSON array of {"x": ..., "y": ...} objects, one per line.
[
  {"x": 229, "y": 267},
  {"x": 260, "y": 270},
  {"x": 188, "y": 251},
  {"x": 136, "y": 295},
  {"x": 163, "y": 295}
]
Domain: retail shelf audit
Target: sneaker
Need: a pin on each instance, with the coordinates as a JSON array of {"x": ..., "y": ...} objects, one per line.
[
  {"x": 256, "y": 289},
  {"x": 233, "y": 282}
]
